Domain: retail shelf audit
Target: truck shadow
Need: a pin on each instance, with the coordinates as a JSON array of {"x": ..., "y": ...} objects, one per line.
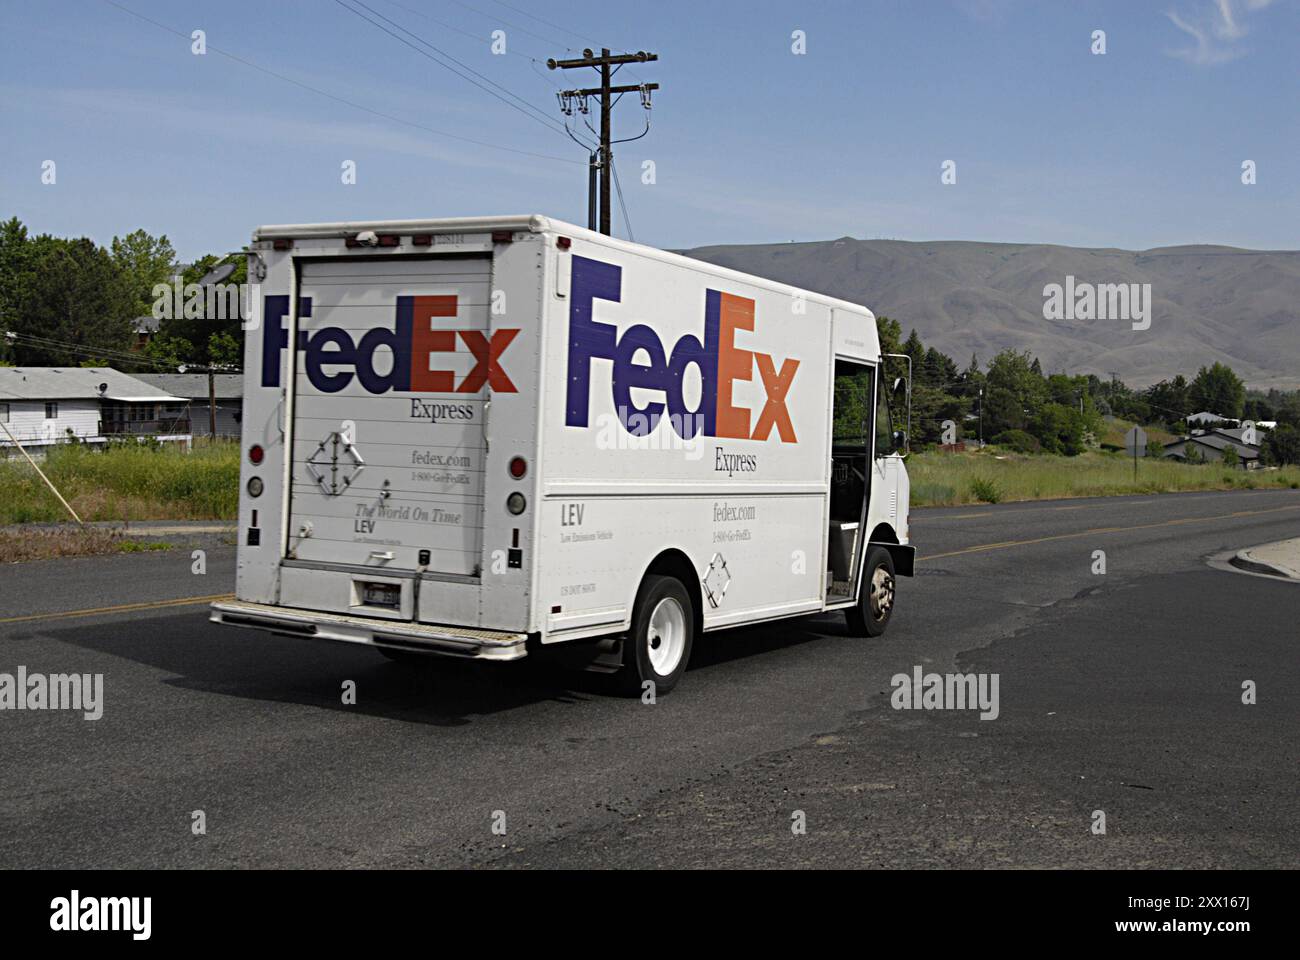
[{"x": 250, "y": 665}]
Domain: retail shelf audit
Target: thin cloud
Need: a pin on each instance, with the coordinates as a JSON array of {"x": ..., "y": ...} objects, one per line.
[{"x": 1216, "y": 31}]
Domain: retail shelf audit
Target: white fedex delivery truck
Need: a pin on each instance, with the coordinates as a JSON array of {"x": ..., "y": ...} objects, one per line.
[{"x": 479, "y": 437}]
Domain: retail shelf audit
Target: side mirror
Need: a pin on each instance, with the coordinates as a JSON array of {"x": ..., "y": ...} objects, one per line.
[
  {"x": 900, "y": 441},
  {"x": 900, "y": 386}
]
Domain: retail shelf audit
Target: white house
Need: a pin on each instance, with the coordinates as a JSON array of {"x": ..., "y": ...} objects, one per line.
[
  {"x": 228, "y": 389},
  {"x": 44, "y": 406}
]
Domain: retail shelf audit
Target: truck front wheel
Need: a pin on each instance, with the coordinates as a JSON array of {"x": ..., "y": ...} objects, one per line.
[
  {"x": 658, "y": 646},
  {"x": 870, "y": 616}
]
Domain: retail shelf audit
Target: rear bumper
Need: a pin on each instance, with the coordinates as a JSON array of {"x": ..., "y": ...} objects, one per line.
[{"x": 465, "y": 642}]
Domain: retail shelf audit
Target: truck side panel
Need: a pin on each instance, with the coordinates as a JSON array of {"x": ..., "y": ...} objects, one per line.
[{"x": 685, "y": 413}]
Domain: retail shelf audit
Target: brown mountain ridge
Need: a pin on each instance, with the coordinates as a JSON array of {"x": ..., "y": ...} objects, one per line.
[{"x": 1208, "y": 303}]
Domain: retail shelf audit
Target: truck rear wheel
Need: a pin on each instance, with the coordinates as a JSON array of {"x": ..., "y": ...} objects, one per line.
[
  {"x": 658, "y": 646},
  {"x": 870, "y": 616}
]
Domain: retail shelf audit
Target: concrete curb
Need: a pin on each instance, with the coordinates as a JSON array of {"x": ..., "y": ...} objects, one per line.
[{"x": 1246, "y": 560}]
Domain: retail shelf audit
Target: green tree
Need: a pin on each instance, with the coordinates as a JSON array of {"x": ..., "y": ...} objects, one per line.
[
  {"x": 76, "y": 294},
  {"x": 169, "y": 351},
  {"x": 1282, "y": 445},
  {"x": 225, "y": 350},
  {"x": 144, "y": 261},
  {"x": 193, "y": 337},
  {"x": 890, "y": 333},
  {"x": 1219, "y": 390},
  {"x": 1059, "y": 429},
  {"x": 1014, "y": 394}
]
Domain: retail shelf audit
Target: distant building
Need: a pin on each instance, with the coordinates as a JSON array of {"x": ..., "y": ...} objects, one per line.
[
  {"x": 1205, "y": 420},
  {"x": 194, "y": 388},
  {"x": 45, "y": 406},
  {"x": 1212, "y": 444},
  {"x": 145, "y": 328}
]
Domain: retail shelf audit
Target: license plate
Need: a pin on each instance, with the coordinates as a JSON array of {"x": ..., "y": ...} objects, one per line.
[{"x": 381, "y": 594}]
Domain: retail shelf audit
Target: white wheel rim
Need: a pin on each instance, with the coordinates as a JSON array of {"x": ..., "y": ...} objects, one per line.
[
  {"x": 666, "y": 636},
  {"x": 882, "y": 593}
]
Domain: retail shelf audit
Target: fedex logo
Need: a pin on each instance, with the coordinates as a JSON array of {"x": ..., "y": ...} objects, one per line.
[
  {"x": 720, "y": 363},
  {"x": 413, "y": 342}
]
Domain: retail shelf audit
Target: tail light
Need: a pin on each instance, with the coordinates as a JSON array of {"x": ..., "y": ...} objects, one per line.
[{"x": 255, "y": 454}]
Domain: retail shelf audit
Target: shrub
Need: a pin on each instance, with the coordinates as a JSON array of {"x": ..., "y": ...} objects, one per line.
[
  {"x": 985, "y": 490},
  {"x": 1019, "y": 441}
]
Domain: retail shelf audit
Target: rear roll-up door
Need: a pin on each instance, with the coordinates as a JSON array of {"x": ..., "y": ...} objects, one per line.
[{"x": 388, "y": 431}]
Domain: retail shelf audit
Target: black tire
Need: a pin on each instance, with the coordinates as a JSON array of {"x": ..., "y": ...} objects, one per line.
[
  {"x": 876, "y": 595},
  {"x": 643, "y": 645}
]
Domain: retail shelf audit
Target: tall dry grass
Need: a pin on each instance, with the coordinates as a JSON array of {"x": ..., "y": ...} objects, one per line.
[
  {"x": 125, "y": 482},
  {"x": 940, "y": 479}
]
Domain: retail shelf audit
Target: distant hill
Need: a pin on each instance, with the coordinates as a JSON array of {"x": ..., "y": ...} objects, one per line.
[{"x": 1241, "y": 307}]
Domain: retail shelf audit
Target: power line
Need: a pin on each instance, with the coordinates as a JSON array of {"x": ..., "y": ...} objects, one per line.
[
  {"x": 466, "y": 33},
  {"x": 618, "y": 187},
  {"x": 343, "y": 100},
  {"x": 537, "y": 115},
  {"x": 531, "y": 16},
  {"x": 90, "y": 353},
  {"x": 497, "y": 19},
  {"x": 553, "y": 26}
]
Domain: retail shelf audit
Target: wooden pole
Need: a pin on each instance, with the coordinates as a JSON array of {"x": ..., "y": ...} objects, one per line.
[{"x": 53, "y": 488}]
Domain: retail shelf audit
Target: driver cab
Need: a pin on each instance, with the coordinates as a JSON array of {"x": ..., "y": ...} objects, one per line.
[{"x": 862, "y": 429}]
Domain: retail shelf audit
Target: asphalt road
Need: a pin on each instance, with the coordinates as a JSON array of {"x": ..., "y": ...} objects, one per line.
[{"x": 1119, "y": 692}]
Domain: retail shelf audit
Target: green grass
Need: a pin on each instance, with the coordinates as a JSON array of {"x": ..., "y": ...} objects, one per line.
[
  {"x": 125, "y": 483},
  {"x": 990, "y": 476},
  {"x": 141, "y": 546},
  {"x": 140, "y": 483},
  {"x": 1114, "y": 432}
]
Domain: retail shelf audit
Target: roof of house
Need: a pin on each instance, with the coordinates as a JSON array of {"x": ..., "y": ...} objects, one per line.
[
  {"x": 76, "y": 383},
  {"x": 1234, "y": 435},
  {"x": 1217, "y": 440},
  {"x": 1206, "y": 415},
  {"x": 194, "y": 386}
]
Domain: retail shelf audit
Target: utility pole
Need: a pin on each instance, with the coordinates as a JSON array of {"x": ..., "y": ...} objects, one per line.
[
  {"x": 603, "y": 159},
  {"x": 212, "y": 404}
]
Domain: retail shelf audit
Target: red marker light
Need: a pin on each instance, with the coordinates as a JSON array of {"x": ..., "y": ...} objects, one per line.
[
  {"x": 518, "y": 467},
  {"x": 255, "y": 454},
  {"x": 564, "y": 243}
]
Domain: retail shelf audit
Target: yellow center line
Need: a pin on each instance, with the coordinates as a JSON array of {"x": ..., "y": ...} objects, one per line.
[
  {"x": 1095, "y": 531},
  {"x": 120, "y": 608},
  {"x": 920, "y": 514}
]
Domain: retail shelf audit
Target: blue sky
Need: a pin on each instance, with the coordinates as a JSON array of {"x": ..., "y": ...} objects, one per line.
[{"x": 1136, "y": 148}]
